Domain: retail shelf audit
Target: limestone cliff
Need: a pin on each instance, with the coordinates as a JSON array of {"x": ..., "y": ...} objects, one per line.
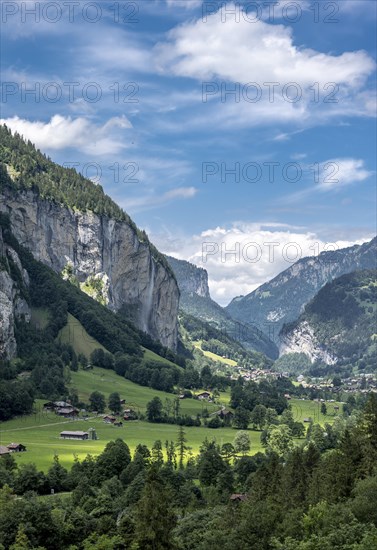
[
  {"x": 191, "y": 279},
  {"x": 12, "y": 303},
  {"x": 105, "y": 255},
  {"x": 302, "y": 340}
]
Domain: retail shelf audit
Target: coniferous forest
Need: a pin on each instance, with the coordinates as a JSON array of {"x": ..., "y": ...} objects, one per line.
[{"x": 302, "y": 498}]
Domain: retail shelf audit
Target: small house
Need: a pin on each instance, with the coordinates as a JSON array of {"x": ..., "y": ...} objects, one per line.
[
  {"x": 16, "y": 448},
  {"x": 67, "y": 412},
  {"x": 129, "y": 414},
  {"x": 61, "y": 404},
  {"x": 204, "y": 395},
  {"x": 4, "y": 450},
  {"x": 74, "y": 435},
  {"x": 109, "y": 419}
]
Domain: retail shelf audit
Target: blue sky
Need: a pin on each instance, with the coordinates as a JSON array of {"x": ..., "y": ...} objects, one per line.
[{"x": 139, "y": 94}]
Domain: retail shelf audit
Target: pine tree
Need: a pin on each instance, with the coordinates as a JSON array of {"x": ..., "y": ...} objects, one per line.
[
  {"x": 181, "y": 446},
  {"x": 155, "y": 518}
]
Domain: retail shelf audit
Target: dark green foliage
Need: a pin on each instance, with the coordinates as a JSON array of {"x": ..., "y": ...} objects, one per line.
[
  {"x": 269, "y": 394},
  {"x": 114, "y": 403},
  {"x": 97, "y": 402},
  {"x": 154, "y": 410},
  {"x": 155, "y": 517},
  {"x": 308, "y": 500}
]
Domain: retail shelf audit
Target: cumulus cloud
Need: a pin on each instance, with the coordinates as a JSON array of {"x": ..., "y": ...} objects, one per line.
[
  {"x": 64, "y": 132},
  {"x": 242, "y": 257},
  {"x": 267, "y": 55}
]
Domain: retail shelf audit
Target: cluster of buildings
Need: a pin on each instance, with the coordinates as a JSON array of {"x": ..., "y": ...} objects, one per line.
[
  {"x": 61, "y": 408},
  {"x": 257, "y": 374},
  {"x": 360, "y": 383}
]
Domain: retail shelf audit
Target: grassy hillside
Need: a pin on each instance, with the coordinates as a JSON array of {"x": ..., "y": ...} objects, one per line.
[
  {"x": 76, "y": 336},
  {"x": 107, "y": 381},
  {"x": 215, "y": 356}
]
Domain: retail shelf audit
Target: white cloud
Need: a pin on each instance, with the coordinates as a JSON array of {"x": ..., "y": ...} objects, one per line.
[
  {"x": 265, "y": 53},
  {"x": 153, "y": 200},
  {"x": 79, "y": 133},
  {"x": 330, "y": 175},
  {"x": 185, "y": 4},
  {"x": 335, "y": 173},
  {"x": 212, "y": 50},
  {"x": 242, "y": 257}
]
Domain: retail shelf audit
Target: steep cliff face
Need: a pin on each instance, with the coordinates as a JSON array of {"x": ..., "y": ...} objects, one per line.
[
  {"x": 282, "y": 299},
  {"x": 302, "y": 340},
  {"x": 12, "y": 304},
  {"x": 191, "y": 279},
  {"x": 100, "y": 252}
]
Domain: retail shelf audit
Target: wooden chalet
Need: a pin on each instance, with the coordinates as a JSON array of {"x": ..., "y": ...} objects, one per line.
[
  {"x": 74, "y": 435},
  {"x": 16, "y": 448},
  {"x": 204, "y": 395},
  {"x": 67, "y": 412},
  {"x": 109, "y": 419}
]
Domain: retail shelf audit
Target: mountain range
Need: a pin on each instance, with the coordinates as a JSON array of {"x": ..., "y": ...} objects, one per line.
[
  {"x": 283, "y": 299},
  {"x": 195, "y": 300}
]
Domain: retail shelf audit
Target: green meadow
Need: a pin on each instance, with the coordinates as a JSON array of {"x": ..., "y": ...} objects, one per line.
[
  {"x": 40, "y": 431},
  {"x": 107, "y": 381},
  {"x": 40, "y": 434}
]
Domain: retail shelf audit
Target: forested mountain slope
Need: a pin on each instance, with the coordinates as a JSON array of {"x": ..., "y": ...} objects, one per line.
[{"x": 339, "y": 326}]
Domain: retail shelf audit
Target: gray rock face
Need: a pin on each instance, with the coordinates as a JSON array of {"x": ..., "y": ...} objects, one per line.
[
  {"x": 102, "y": 248},
  {"x": 302, "y": 340},
  {"x": 191, "y": 279},
  {"x": 12, "y": 305}
]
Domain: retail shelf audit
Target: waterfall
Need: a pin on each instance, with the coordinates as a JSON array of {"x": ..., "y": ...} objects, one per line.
[{"x": 148, "y": 305}]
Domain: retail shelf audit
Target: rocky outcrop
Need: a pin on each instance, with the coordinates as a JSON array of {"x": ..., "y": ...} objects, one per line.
[
  {"x": 102, "y": 252},
  {"x": 191, "y": 279},
  {"x": 12, "y": 304},
  {"x": 302, "y": 340}
]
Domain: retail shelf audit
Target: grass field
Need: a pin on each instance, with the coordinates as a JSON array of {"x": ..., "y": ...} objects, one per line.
[
  {"x": 214, "y": 356},
  {"x": 40, "y": 431},
  {"x": 40, "y": 434},
  {"x": 107, "y": 381},
  {"x": 75, "y": 334},
  {"x": 311, "y": 409}
]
